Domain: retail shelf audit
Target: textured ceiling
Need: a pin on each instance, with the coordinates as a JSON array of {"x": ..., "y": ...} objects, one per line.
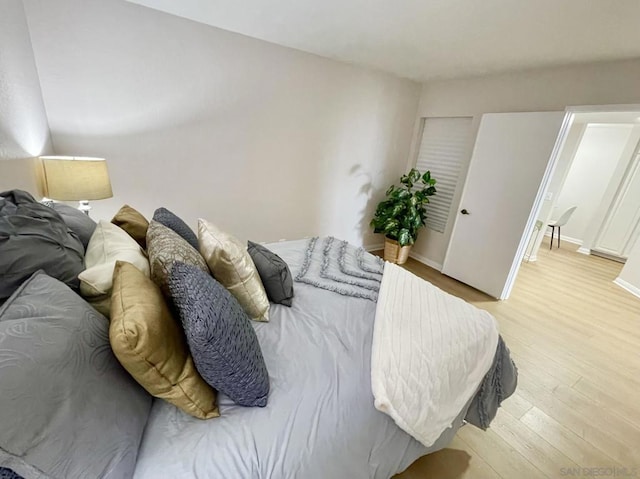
[{"x": 427, "y": 39}]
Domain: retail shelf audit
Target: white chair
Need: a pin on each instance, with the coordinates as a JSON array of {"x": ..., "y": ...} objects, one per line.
[{"x": 564, "y": 218}]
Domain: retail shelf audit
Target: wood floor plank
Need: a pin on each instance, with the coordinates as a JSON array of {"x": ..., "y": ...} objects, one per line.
[
  {"x": 529, "y": 444},
  {"x": 502, "y": 456},
  {"x": 588, "y": 421},
  {"x": 555, "y": 359},
  {"x": 624, "y": 405},
  {"x": 454, "y": 462},
  {"x": 517, "y": 406},
  {"x": 566, "y": 441},
  {"x": 575, "y": 337}
]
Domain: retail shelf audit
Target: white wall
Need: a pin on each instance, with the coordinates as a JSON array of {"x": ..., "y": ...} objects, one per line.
[
  {"x": 630, "y": 275},
  {"x": 24, "y": 132},
  {"x": 589, "y": 175},
  {"x": 536, "y": 90},
  {"x": 266, "y": 141}
]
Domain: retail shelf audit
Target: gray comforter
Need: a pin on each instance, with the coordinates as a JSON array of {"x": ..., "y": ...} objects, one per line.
[{"x": 320, "y": 421}]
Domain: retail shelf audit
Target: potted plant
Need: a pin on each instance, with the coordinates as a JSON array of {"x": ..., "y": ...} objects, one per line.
[{"x": 401, "y": 215}]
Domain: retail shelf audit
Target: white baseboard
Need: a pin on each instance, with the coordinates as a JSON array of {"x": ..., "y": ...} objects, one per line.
[
  {"x": 628, "y": 286},
  {"x": 568, "y": 239},
  {"x": 425, "y": 260},
  {"x": 583, "y": 250},
  {"x": 374, "y": 247},
  {"x": 531, "y": 259}
]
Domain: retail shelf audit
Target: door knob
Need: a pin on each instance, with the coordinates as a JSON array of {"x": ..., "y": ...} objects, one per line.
[{"x": 464, "y": 212}]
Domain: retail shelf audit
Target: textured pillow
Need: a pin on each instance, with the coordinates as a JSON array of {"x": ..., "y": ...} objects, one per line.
[
  {"x": 223, "y": 344},
  {"x": 170, "y": 220},
  {"x": 108, "y": 244},
  {"x": 150, "y": 345},
  {"x": 165, "y": 247},
  {"x": 77, "y": 221},
  {"x": 32, "y": 237},
  {"x": 274, "y": 273},
  {"x": 133, "y": 223},
  {"x": 230, "y": 263},
  {"x": 68, "y": 408},
  {"x": 6, "y": 473}
]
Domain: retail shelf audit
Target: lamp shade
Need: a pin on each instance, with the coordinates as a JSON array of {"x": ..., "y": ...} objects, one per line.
[{"x": 76, "y": 178}]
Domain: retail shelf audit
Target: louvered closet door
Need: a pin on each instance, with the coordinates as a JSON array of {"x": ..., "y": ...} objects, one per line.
[{"x": 443, "y": 148}]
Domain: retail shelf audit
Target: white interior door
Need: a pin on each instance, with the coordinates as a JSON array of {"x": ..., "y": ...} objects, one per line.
[
  {"x": 508, "y": 164},
  {"x": 622, "y": 224}
]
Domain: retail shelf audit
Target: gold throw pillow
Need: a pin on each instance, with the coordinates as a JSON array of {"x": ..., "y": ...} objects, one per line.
[
  {"x": 230, "y": 264},
  {"x": 149, "y": 344},
  {"x": 133, "y": 223}
]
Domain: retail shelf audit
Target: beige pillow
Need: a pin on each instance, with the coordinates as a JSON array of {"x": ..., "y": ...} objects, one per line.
[
  {"x": 165, "y": 247},
  {"x": 230, "y": 264},
  {"x": 107, "y": 245},
  {"x": 133, "y": 223},
  {"x": 150, "y": 345},
  {"x": 102, "y": 303}
]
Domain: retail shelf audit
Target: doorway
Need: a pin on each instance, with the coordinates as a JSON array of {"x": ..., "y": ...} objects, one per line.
[
  {"x": 598, "y": 172},
  {"x": 518, "y": 162}
]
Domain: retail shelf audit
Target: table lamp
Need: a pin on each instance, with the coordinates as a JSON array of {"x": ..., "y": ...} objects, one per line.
[{"x": 76, "y": 178}]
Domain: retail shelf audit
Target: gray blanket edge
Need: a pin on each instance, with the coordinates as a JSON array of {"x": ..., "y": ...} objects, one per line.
[{"x": 498, "y": 384}]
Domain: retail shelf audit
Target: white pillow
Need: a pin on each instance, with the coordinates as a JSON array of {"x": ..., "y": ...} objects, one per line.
[{"x": 108, "y": 244}]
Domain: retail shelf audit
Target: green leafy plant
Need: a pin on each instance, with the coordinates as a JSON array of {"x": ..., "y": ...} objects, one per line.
[{"x": 403, "y": 212}]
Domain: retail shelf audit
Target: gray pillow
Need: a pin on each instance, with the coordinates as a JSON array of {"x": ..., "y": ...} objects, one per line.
[
  {"x": 6, "y": 473},
  {"x": 170, "y": 220},
  {"x": 274, "y": 273},
  {"x": 223, "y": 344},
  {"x": 33, "y": 237},
  {"x": 77, "y": 221},
  {"x": 68, "y": 408}
]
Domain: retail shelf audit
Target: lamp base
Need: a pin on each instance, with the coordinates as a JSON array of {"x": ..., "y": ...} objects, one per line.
[
  {"x": 84, "y": 206},
  {"x": 47, "y": 201}
]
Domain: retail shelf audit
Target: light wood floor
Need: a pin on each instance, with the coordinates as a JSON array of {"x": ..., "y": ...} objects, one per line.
[{"x": 575, "y": 337}]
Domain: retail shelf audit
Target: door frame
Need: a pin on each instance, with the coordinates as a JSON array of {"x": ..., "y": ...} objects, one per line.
[{"x": 570, "y": 113}]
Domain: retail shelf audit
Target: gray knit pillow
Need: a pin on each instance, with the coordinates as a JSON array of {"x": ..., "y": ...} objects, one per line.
[
  {"x": 170, "y": 220},
  {"x": 223, "y": 344},
  {"x": 274, "y": 273}
]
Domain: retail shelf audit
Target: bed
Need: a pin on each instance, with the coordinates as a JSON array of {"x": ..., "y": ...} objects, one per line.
[
  {"x": 320, "y": 420},
  {"x": 368, "y": 369}
]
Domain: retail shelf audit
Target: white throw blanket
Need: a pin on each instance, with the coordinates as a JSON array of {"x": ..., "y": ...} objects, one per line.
[{"x": 431, "y": 351}]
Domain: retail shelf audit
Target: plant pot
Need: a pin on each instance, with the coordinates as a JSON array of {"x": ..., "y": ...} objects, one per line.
[{"x": 394, "y": 253}]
